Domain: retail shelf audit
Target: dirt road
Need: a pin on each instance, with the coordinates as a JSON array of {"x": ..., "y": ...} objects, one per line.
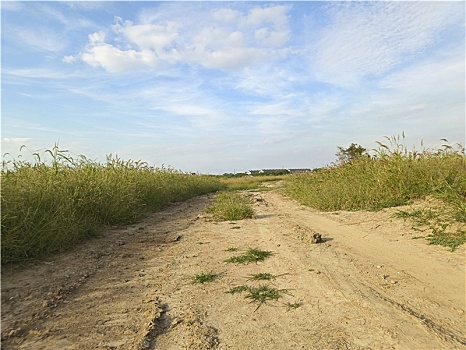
[{"x": 368, "y": 285}]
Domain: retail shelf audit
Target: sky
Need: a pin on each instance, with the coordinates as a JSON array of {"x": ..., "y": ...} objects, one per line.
[{"x": 220, "y": 87}]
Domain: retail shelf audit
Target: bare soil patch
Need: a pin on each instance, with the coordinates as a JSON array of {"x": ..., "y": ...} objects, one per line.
[{"x": 367, "y": 284}]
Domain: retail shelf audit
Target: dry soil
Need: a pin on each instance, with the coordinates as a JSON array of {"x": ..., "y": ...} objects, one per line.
[{"x": 368, "y": 285}]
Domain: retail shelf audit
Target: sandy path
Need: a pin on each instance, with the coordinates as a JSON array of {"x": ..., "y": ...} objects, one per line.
[{"x": 369, "y": 285}]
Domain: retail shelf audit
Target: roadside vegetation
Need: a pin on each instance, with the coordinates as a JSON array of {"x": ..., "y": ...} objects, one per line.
[
  {"x": 394, "y": 176},
  {"x": 248, "y": 183},
  {"x": 50, "y": 206}
]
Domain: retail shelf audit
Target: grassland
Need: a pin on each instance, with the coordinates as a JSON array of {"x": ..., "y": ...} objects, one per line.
[
  {"x": 395, "y": 176},
  {"x": 51, "y": 206},
  {"x": 247, "y": 183}
]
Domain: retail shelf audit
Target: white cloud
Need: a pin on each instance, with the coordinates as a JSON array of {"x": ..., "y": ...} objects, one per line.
[
  {"x": 230, "y": 40},
  {"x": 226, "y": 15},
  {"x": 16, "y": 139},
  {"x": 111, "y": 58},
  {"x": 11, "y": 6},
  {"x": 148, "y": 36},
  {"x": 370, "y": 38},
  {"x": 275, "y": 14},
  {"x": 69, "y": 59},
  {"x": 39, "y": 38}
]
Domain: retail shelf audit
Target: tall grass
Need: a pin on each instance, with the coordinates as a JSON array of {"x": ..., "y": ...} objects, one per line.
[
  {"x": 394, "y": 176},
  {"x": 51, "y": 206}
]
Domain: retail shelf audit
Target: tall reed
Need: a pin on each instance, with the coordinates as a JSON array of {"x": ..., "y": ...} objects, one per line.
[
  {"x": 49, "y": 207},
  {"x": 393, "y": 176}
]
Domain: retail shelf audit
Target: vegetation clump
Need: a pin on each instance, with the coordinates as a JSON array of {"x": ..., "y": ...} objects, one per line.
[
  {"x": 392, "y": 176},
  {"x": 251, "y": 255},
  {"x": 260, "y": 294},
  {"x": 231, "y": 206},
  {"x": 263, "y": 277},
  {"x": 56, "y": 201},
  {"x": 207, "y": 277}
]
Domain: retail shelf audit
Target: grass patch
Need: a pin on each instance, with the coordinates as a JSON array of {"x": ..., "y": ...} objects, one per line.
[
  {"x": 237, "y": 289},
  {"x": 230, "y": 206},
  {"x": 293, "y": 306},
  {"x": 393, "y": 176},
  {"x": 442, "y": 223},
  {"x": 56, "y": 200},
  {"x": 263, "y": 277},
  {"x": 251, "y": 255},
  {"x": 259, "y": 295},
  {"x": 207, "y": 277}
]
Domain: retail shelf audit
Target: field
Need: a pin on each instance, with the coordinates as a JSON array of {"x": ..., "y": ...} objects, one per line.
[{"x": 197, "y": 262}]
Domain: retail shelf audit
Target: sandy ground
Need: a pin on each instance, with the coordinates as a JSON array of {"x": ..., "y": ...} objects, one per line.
[{"x": 368, "y": 285}]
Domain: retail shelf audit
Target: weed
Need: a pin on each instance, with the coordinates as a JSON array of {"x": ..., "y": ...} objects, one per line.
[
  {"x": 264, "y": 293},
  {"x": 441, "y": 221},
  {"x": 237, "y": 289},
  {"x": 259, "y": 294},
  {"x": 263, "y": 277},
  {"x": 232, "y": 249},
  {"x": 207, "y": 277},
  {"x": 292, "y": 306},
  {"x": 251, "y": 255}
]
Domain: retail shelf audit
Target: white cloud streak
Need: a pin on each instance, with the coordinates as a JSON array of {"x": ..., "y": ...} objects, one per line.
[{"x": 364, "y": 39}]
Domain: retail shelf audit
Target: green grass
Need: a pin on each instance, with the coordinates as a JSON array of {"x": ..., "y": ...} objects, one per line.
[
  {"x": 259, "y": 295},
  {"x": 232, "y": 249},
  {"x": 263, "y": 277},
  {"x": 394, "y": 176},
  {"x": 237, "y": 289},
  {"x": 251, "y": 255},
  {"x": 49, "y": 206},
  {"x": 249, "y": 182},
  {"x": 231, "y": 206},
  {"x": 442, "y": 223},
  {"x": 207, "y": 277}
]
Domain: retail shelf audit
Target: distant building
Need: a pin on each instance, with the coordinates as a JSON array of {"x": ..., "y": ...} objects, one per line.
[
  {"x": 295, "y": 171},
  {"x": 277, "y": 171}
]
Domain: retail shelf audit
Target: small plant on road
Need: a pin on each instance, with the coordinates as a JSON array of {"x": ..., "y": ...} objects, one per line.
[
  {"x": 237, "y": 289},
  {"x": 251, "y": 255},
  {"x": 260, "y": 294},
  {"x": 263, "y": 277},
  {"x": 292, "y": 306},
  {"x": 207, "y": 277}
]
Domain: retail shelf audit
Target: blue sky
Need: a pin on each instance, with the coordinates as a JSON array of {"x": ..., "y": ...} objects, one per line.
[{"x": 219, "y": 87}]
